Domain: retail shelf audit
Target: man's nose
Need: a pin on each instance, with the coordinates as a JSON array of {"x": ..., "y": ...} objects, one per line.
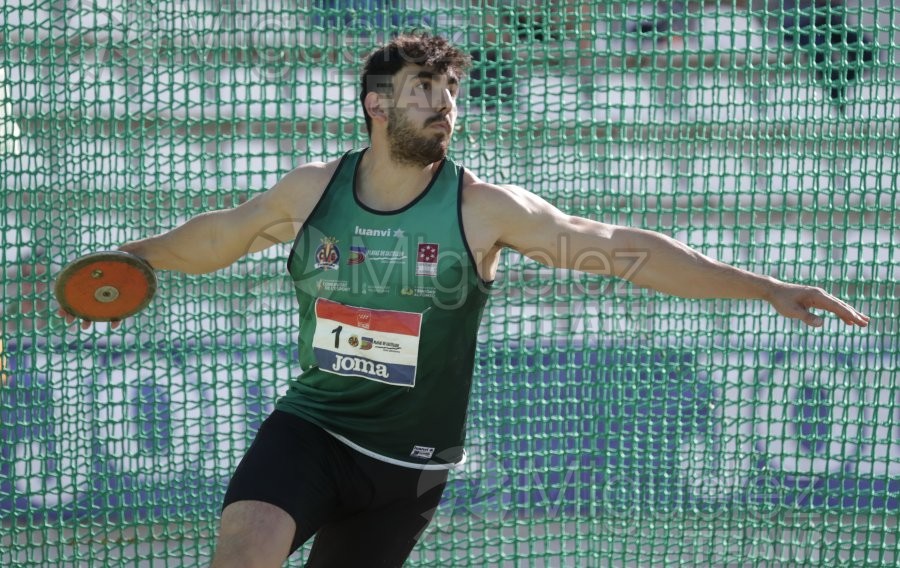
[{"x": 443, "y": 102}]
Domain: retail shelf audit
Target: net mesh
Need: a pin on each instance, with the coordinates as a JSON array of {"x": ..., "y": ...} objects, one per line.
[{"x": 608, "y": 425}]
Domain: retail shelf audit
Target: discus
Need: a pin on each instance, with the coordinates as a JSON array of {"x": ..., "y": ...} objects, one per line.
[{"x": 105, "y": 286}]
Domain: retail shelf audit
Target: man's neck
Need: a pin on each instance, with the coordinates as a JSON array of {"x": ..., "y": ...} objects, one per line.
[{"x": 385, "y": 184}]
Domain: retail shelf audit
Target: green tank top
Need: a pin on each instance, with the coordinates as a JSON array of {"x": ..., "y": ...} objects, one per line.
[{"x": 390, "y": 304}]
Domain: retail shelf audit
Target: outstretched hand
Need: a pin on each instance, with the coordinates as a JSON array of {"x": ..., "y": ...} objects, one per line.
[
  {"x": 795, "y": 301},
  {"x": 85, "y": 324}
]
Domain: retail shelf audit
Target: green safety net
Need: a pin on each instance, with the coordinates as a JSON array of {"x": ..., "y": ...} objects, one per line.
[{"x": 609, "y": 425}]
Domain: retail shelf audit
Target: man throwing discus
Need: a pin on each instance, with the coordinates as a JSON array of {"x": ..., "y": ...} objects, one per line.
[{"x": 394, "y": 250}]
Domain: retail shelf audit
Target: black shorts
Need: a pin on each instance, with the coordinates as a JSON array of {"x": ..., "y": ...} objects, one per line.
[{"x": 364, "y": 512}]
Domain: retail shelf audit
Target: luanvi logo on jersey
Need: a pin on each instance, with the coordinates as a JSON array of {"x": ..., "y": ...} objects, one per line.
[
  {"x": 422, "y": 452},
  {"x": 366, "y": 232}
]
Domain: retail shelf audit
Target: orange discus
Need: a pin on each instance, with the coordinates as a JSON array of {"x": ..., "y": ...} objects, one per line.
[{"x": 106, "y": 286}]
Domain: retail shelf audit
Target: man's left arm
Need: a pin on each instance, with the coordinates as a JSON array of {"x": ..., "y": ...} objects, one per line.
[{"x": 648, "y": 259}]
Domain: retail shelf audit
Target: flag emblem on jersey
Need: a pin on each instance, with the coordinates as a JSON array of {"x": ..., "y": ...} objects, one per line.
[
  {"x": 357, "y": 255},
  {"x": 427, "y": 259},
  {"x": 379, "y": 345}
]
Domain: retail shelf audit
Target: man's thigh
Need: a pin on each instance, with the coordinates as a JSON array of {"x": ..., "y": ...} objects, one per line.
[
  {"x": 291, "y": 466},
  {"x": 382, "y": 536}
]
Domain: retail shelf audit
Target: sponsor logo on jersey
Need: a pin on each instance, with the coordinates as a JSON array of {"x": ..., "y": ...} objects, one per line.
[
  {"x": 333, "y": 286},
  {"x": 328, "y": 255},
  {"x": 386, "y": 346},
  {"x": 344, "y": 364},
  {"x": 422, "y": 292},
  {"x": 422, "y": 452},
  {"x": 367, "y": 343},
  {"x": 367, "y": 232},
  {"x": 357, "y": 255},
  {"x": 376, "y": 289},
  {"x": 386, "y": 256},
  {"x": 427, "y": 259}
]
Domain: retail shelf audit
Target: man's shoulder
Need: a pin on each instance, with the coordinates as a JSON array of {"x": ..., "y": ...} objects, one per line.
[
  {"x": 486, "y": 193},
  {"x": 311, "y": 177},
  {"x": 316, "y": 170},
  {"x": 298, "y": 191}
]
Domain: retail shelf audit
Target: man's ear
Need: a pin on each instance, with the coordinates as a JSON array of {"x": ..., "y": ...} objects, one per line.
[{"x": 374, "y": 106}]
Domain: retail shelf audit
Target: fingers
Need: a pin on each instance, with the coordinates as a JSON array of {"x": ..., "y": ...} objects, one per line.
[
  {"x": 818, "y": 298},
  {"x": 812, "y": 319},
  {"x": 841, "y": 309},
  {"x": 796, "y": 302},
  {"x": 84, "y": 324},
  {"x": 70, "y": 319}
]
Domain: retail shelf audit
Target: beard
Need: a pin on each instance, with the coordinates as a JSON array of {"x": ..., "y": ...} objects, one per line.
[{"x": 409, "y": 146}]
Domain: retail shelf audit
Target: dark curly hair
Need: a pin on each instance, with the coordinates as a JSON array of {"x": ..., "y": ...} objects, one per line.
[{"x": 420, "y": 48}]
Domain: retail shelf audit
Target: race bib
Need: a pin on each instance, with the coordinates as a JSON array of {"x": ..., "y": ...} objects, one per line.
[{"x": 380, "y": 345}]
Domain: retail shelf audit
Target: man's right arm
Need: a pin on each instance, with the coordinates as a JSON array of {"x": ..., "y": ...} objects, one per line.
[{"x": 216, "y": 239}]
